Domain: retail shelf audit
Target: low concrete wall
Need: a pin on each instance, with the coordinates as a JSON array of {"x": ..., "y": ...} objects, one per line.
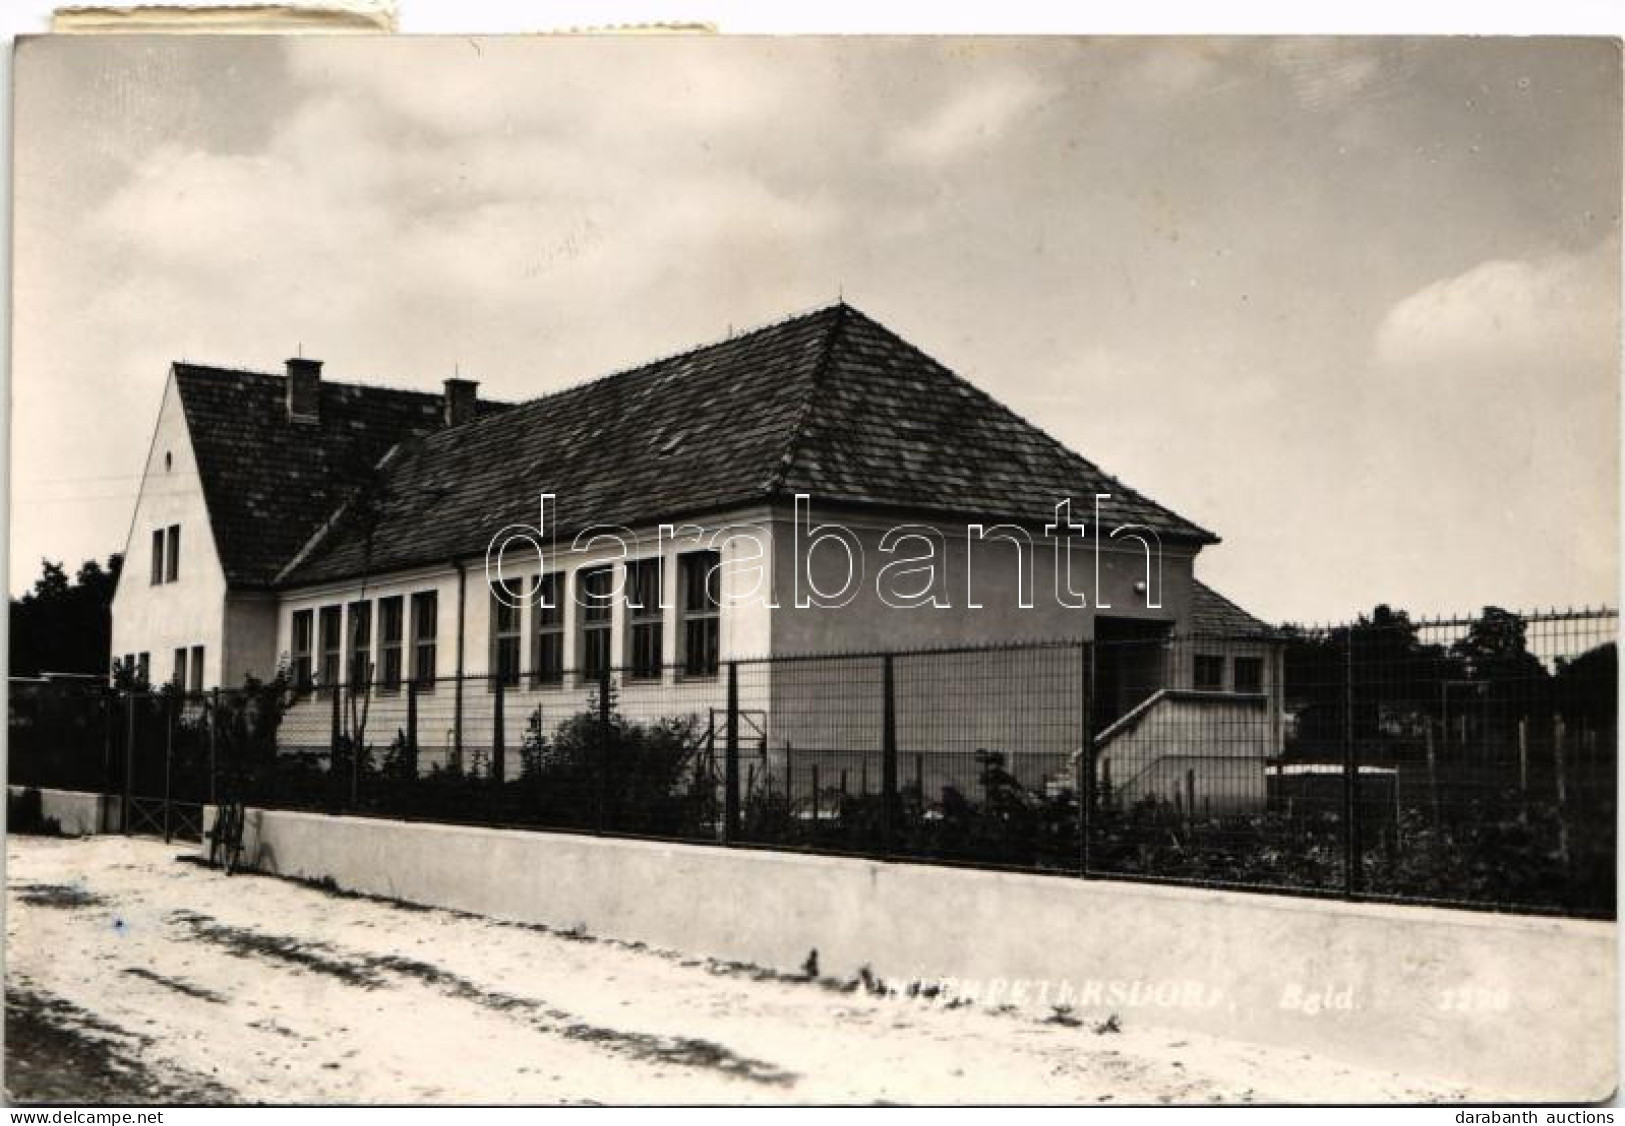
[
  {"x": 77, "y": 812},
  {"x": 1516, "y": 1008}
]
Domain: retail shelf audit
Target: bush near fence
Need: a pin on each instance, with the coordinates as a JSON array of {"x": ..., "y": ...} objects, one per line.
[{"x": 1468, "y": 761}]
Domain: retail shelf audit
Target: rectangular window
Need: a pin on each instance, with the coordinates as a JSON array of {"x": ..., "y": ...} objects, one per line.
[
  {"x": 547, "y": 631},
  {"x": 179, "y": 677},
  {"x": 172, "y": 555},
  {"x": 157, "y": 557},
  {"x": 594, "y": 589},
  {"x": 390, "y": 612},
  {"x": 644, "y": 618},
  {"x": 1209, "y": 673},
  {"x": 332, "y": 645},
  {"x": 1249, "y": 674},
  {"x": 302, "y": 649},
  {"x": 360, "y": 671},
  {"x": 699, "y": 580},
  {"x": 425, "y": 629},
  {"x": 506, "y": 630},
  {"x": 197, "y": 668}
]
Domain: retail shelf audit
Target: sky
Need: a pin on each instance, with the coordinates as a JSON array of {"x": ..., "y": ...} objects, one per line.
[{"x": 1353, "y": 304}]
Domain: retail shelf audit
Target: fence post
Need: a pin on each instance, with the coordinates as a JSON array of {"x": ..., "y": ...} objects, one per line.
[
  {"x": 214, "y": 742},
  {"x": 1433, "y": 774},
  {"x": 457, "y": 719},
  {"x": 107, "y": 742},
  {"x": 1523, "y": 769},
  {"x": 1086, "y": 754},
  {"x": 730, "y": 761},
  {"x": 169, "y": 762},
  {"x": 499, "y": 745},
  {"x": 1561, "y": 780},
  {"x": 603, "y": 747},
  {"x": 888, "y": 758},
  {"x": 356, "y": 738},
  {"x": 412, "y": 726},
  {"x": 1351, "y": 776},
  {"x": 129, "y": 757},
  {"x": 335, "y": 728}
]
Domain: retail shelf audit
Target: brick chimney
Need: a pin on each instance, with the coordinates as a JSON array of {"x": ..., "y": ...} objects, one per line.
[
  {"x": 304, "y": 390},
  {"x": 458, "y": 405}
]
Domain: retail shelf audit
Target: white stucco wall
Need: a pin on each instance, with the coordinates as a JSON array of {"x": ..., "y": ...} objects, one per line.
[
  {"x": 1516, "y": 1009},
  {"x": 190, "y": 611}
]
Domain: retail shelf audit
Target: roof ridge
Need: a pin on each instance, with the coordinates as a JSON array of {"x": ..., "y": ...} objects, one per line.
[
  {"x": 356, "y": 383},
  {"x": 798, "y": 429},
  {"x": 517, "y": 409}
]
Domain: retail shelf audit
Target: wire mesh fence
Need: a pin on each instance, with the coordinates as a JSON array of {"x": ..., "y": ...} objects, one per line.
[{"x": 1468, "y": 761}]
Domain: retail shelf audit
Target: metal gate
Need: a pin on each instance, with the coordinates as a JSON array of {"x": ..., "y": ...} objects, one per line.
[{"x": 167, "y": 763}]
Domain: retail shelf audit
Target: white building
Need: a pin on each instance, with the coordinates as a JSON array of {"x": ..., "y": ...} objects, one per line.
[{"x": 342, "y": 531}]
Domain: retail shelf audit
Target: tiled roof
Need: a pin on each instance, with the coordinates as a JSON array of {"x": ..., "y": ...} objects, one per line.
[
  {"x": 829, "y": 403},
  {"x": 1214, "y": 615},
  {"x": 269, "y": 482}
]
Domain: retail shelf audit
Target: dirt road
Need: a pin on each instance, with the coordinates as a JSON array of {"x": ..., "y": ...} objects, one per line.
[{"x": 136, "y": 976}]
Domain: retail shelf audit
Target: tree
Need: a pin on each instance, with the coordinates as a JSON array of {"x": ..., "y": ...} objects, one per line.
[{"x": 63, "y": 626}]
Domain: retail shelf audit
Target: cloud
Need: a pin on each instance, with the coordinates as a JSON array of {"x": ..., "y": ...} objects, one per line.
[
  {"x": 1508, "y": 312},
  {"x": 970, "y": 118}
]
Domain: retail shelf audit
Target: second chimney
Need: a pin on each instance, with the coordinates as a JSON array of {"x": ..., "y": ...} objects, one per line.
[
  {"x": 458, "y": 406},
  {"x": 304, "y": 390}
]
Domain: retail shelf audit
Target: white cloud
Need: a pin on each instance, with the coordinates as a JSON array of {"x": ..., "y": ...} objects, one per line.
[
  {"x": 1508, "y": 312},
  {"x": 971, "y": 118}
]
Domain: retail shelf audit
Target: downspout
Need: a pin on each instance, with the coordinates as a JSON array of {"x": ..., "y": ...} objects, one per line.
[{"x": 457, "y": 715}]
